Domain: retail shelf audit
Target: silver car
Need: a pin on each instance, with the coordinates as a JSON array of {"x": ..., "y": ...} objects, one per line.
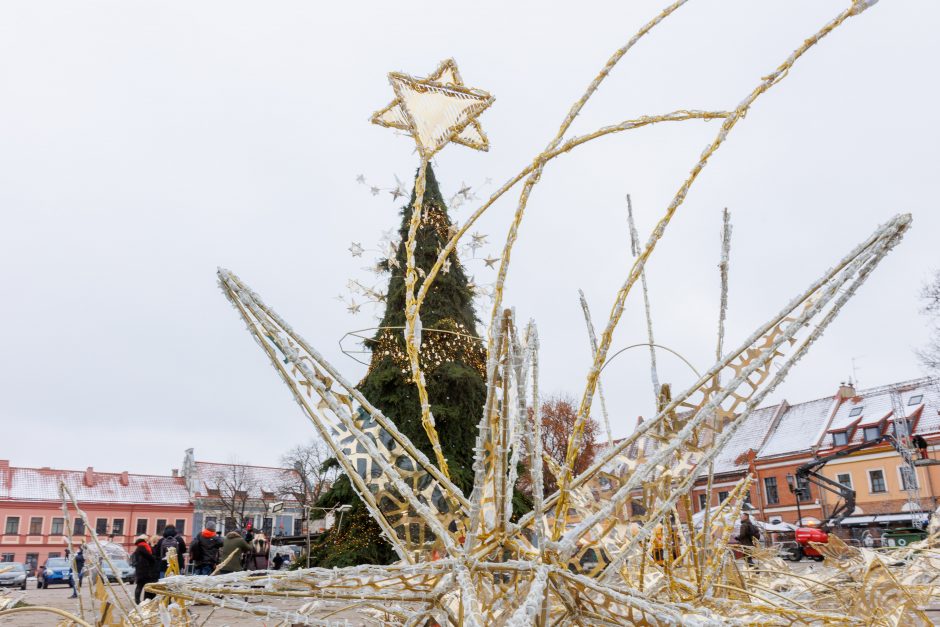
[
  {"x": 126, "y": 570},
  {"x": 13, "y": 574}
]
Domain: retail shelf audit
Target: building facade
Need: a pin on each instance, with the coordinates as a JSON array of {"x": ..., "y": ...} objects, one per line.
[
  {"x": 776, "y": 440},
  {"x": 118, "y": 505},
  {"x": 232, "y": 494}
]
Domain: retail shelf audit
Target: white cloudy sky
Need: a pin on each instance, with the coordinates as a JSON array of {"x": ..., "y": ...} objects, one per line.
[{"x": 144, "y": 144}]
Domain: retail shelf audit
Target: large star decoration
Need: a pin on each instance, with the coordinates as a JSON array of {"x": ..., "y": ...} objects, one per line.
[{"x": 436, "y": 110}]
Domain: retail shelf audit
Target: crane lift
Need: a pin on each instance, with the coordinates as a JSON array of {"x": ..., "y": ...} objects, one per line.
[{"x": 901, "y": 440}]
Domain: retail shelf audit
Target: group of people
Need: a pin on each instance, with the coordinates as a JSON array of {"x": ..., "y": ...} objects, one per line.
[{"x": 208, "y": 553}]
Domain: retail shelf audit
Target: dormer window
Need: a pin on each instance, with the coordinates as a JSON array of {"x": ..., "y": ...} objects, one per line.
[
  {"x": 840, "y": 438},
  {"x": 915, "y": 400},
  {"x": 856, "y": 411},
  {"x": 872, "y": 433}
]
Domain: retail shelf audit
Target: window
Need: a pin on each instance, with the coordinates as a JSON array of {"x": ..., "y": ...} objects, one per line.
[
  {"x": 770, "y": 490},
  {"x": 35, "y": 526},
  {"x": 872, "y": 433},
  {"x": 229, "y": 524},
  {"x": 845, "y": 479},
  {"x": 13, "y": 525},
  {"x": 54, "y": 555},
  {"x": 141, "y": 526},
  {"x": 32, "y": 561},
  {"x": 840, "y": 438},
  {"x": 180, "y": 526},
  {"x": 7, "y": 557},
  {"x": 101, "y": 526},
  {"x": 908, "y": 478},
  {"x": 58, "y": 526},
  {"x": 267, "y": 525},
  {"x": 876, "y": 479},
  {"x": 701, "y": 501},
  {"x": 916, "y": 400},
  {"x": 117, "y": 527},
  {"x": 802, "y": 489},
  {"x": 79, "y": 528},
  {"x": 299, "y": 524},
  {"x": 161, "y": 525},
  {"x": 722, "y": 496},
  {"x": 856, "y": 411}
]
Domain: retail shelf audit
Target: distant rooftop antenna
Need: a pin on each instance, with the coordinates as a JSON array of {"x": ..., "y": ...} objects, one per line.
[{"x": 853, "y": 381}]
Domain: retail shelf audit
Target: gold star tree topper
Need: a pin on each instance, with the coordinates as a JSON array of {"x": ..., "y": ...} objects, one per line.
[{"x": 436, "y": 110}]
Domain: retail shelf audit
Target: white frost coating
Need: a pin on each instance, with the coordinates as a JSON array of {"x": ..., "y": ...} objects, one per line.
[
  {"x": 853, "y": 270},
  {"x": 860, "y": 261},
  {"x": 592, "y": 338},
  {"x": 538, "y": 485},
  {"x": 635, "y": 249},
  {"x": 291, "y": 354},
  {"x": 528, "y": 611},
  {"x": 723, "y": 272}
]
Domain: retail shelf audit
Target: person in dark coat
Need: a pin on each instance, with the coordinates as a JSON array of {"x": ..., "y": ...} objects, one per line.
[
  {"x": 145, "y": 567},
  {"x": 170, "y": 540},
  {"x": 204, "y": 550},
  {"x": 747, "y": 534},
  {"x": 233, "y": 549},
  {"x": 80, "y": 568}
]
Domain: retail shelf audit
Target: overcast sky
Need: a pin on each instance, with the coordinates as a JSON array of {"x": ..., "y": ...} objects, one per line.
[{"x": 143, "y": 144}]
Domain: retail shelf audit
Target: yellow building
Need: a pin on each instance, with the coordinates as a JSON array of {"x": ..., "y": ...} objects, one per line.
[{"x": 889, "y": 492}]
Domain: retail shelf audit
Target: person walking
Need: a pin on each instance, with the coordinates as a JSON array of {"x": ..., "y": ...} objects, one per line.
[
  {"x": 170, "y": 540},
  {"x": 747, "y": 534},
  {"x": 233, "y": 548},
  {"x": 204, "y": 550},
  {"x": 145, "y": 567},
  {"x": 80, "y": 568},
  {"x": 278, "y": 561}
]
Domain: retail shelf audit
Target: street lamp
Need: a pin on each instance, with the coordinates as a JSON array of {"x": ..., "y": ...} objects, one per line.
[{"x": 796, "y": 491}]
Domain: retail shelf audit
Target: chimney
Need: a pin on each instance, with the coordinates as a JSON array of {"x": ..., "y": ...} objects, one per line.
[
  {"x": 846, "y": 391},
  {"x": 175, "y": 472},
  {"x": 89, "y": 477},
  {"x": 125, "y": 481}
]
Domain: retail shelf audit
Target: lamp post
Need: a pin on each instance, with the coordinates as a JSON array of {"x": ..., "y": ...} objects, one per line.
[{"x": 795, "y": 490}]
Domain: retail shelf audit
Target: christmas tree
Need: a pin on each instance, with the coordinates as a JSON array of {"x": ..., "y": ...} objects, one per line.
[{"x": 453, "y": 360}]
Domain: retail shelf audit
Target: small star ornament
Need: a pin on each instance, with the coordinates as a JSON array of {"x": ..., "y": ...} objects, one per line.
[
  {"x": 491, "y": 261},
  {"x": 361, "y": 179},
  {"x": 353, "y": 307},
  {"x": 436, "y": 110},
  {"x": 375, "y": 190},
  {"x": 464, "y": 191},
  {"x": 356, "y": 249},
  {"x": 477, "y": 240}
]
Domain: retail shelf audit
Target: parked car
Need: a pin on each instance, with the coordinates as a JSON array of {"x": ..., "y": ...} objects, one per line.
[
  {"x": 56, "y": 570},
  {"x": 126, "y": 571},
  {"x": 13, "y": 574}
]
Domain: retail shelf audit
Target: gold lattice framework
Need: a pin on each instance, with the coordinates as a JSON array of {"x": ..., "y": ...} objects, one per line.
[{"x": 614, "y": 545}]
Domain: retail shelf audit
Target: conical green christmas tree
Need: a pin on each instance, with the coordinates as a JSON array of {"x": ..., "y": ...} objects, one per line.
[{"x": 453, "y": 360}]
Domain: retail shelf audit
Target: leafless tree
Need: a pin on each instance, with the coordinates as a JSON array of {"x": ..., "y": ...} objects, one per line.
[
  {"x": 313, "y": 475},
  {"x": 930, "y": 296},
  {"x": 234, "y": 484}
]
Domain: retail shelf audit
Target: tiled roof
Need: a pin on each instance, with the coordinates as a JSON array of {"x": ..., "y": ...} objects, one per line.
[
  {"x": 799, "y": 428},
  {"x": 42, "y": 484},
  {"x": 877, "y": 403},
  {"x": 254, "y": 479},
  {"x": 749, "y": 435}
]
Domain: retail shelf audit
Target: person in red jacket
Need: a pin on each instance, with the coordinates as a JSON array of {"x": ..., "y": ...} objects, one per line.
[{"x": 145, "y": 567}]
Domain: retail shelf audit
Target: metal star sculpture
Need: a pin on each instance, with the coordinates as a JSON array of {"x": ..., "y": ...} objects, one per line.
[
  {"x": 436, "y": 110},
  {"x": 585, "y": 555}
]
